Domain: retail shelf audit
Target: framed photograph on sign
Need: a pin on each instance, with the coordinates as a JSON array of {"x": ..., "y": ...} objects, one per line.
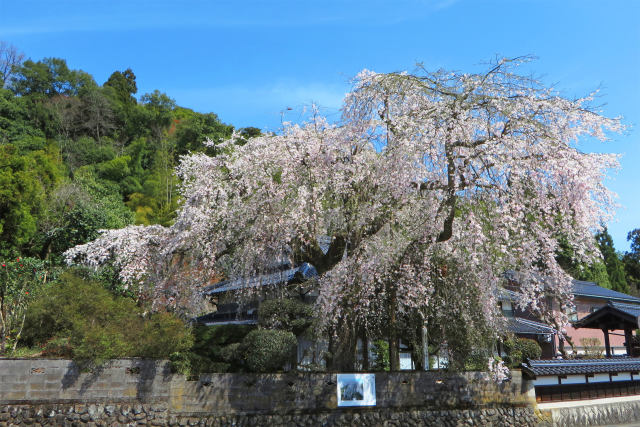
[{"x": 356, "y": 390}]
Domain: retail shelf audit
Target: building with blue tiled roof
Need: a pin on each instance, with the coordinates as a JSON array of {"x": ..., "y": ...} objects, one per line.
[{"x": 588, "y": 298}]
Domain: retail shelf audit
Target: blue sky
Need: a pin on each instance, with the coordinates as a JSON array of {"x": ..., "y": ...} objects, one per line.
[{"x": 248, "y": 61}]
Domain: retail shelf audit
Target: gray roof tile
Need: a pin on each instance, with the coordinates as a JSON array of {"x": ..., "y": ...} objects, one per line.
[
  {"x": 518, "y": 325},
  {"x": 581, "y": 366}
]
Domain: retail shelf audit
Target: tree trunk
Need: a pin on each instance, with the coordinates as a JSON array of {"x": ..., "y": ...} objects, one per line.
[
  {"x": 418, "y": 350},
  {"x": 365, "y": 350},
  {"x": 330, "y": 357},
  {"x": 3, "y": 329},
  {"x": 354, "y": 350},
  {"x": 19, "y": 334},
  {"x": 394, "y": 355}
]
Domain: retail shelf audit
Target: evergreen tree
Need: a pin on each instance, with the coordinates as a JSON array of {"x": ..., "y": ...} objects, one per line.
[
  {"x": 595, "y": 272},
  {"x": 631, "y": 259},
  {"x": 615, "y": 267}
]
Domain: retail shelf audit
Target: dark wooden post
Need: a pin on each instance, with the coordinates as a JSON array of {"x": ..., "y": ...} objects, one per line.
[
  {"x": 365, "y": 350},
  {"x": 627, "y": 340},
  {"x": 607, "y": 346}
]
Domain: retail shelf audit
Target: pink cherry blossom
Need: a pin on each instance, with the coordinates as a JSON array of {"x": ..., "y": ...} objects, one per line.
[{"x": 483, "y": 170}]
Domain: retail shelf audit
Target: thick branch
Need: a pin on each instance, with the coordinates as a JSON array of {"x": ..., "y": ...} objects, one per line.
[{"x": 450, "y": 203}]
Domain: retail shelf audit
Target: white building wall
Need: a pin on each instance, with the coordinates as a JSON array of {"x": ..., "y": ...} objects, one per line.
[
  {"x": 546, "y": 380},
  {"x": 622, "y": 376},
  {"x": 574, "y": 379},
  {"x": 599, "y": 378}
]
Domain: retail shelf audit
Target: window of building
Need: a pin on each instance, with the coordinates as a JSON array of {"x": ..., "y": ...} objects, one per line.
[
  {"x": 573, "y": 315},
  {"x": 506, "y": 308}
]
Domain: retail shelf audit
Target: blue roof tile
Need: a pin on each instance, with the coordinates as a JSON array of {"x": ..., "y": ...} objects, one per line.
[
  {"x": 518, "y": 325},
  {"x": 303, "y": 271},
  {"x": 591, "y": 289}
]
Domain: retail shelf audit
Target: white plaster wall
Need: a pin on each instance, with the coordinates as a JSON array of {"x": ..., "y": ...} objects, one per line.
[
  {"x": 546, "y": 380},
  {"x": 574, "y": 379},
  {"x": 622, "y": 376},
  {"x": 599, "y": 378}
]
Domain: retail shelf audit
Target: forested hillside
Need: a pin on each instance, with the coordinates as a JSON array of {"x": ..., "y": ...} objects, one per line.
[{"x": 77, "y": 155}]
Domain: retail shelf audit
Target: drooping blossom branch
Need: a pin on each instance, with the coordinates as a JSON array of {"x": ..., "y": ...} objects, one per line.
[{"x": 482, "y": 170}]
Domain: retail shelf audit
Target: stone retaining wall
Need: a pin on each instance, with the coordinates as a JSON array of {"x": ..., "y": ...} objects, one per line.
[
  {"x": 295, "y": 392},
  {"x": 144, "y": 392},
  {"x": 65, "y": 414},
  {"x": 50, "y": 380},
  {"x": 597, "y": 415},
  {"x": 158, "y": 415}
]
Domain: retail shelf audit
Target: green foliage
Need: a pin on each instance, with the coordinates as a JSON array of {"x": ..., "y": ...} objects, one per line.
[
  {"x": 268, "y": 350},
  {"x": 164, "y": 331},
  {"x": 59, "y": 129},
  {"x": 236, "y": 347},
  {"x": 285, "y": 314},
  {"x": 21, "y": 280},
  {"x": 81, "y": 319},
  {"x": 106, "y": 196},
  {"x": 114, "y": 170},
  {"x": 462, "y": 334},
  {"x": 15, "y": 120},
  {"x": 85, "y": 151},
  {"x": 595, "y": 272},
  {"x": 73, "y": 216},
  {"x": 615, "y": 267},
  {"x": 631, "y": 259},
  {"x": 180, "y": 363},
  {"x": 49, "y": 77},
  {"x": 214, "y": 349},
  {"x": 192, "y": 130},
  {"x": 24, "y": 182},
  {"x": 122, "y": 86},
  {"x": 57, "y": 347},
  {"x": 380, "y": 350},
  {"x": 478, "y": 360},
  {"x": 247, "y": 133},
  {"x": 520, "y": 349},
  {"x": 157, "y": 112},
  {"x": 25, "y": 352}
]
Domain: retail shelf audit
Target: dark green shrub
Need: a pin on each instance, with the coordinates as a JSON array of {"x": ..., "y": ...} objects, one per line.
[
  {"x": 81, "y": 319},
  {"x": 95, "y": 344},
  {"x": 233, "y": 353},
  {"x": 58, "y": 347},
  {"x": 477, "y": 360},
  {"x": 530, "y": 349},
  {"x": 72, "y": 304},
  {"x": 210, "y": 343},
  {"x": 514, "y": 359},
  {"x": 214, "y": 349},
  {"x": 286, "y": 315},
  {"x": 180, "y": 363},
  {"x": 268, "y": 350},
  {"x": 192, "y": 364},
  {"x": 163, "y": 331},
  {"x": 520, "y": 349},
  {"x": 381, "y": 356}
]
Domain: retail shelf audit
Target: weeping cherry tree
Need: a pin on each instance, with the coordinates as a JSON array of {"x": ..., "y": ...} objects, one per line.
[{"x": 430, "y": 187}]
